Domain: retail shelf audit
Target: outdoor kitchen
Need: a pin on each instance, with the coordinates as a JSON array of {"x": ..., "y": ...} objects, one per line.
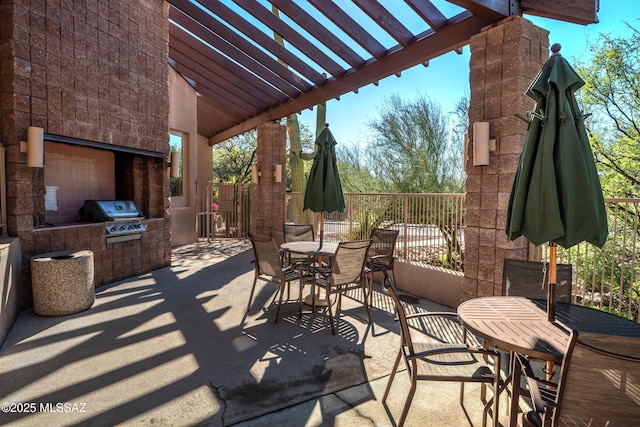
[
  {"x": 96, "y": 85},
  {"x": 104, "y": 199}
]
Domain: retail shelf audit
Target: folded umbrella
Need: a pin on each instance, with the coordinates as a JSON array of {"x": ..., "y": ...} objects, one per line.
[
  {"x": 323, "y": 192},
  {"x": 556, "y": 195}
]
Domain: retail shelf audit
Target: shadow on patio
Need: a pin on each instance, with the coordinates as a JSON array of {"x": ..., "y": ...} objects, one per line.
[{"x": 174, "y": 347}]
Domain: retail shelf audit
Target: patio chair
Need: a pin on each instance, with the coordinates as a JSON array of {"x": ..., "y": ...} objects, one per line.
[
  {"x": 438, "y": 351},
  {"x": 268, "y": 267},
  {"x": 380, "y": 259},
  {"x": 298, "y": 233},
  {"x": 529, "y": 279},
  {"x": 344, "y": 274},
  {"x": 599, "y": 384}
]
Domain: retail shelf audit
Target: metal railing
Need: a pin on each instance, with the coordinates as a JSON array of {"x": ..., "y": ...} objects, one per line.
[
  {"x": 431, "y": 232},
  {"x": 430, "y": 225},
  {"x": 609, "y": 278}
]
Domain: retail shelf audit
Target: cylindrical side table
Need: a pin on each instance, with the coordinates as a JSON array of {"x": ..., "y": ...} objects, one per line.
[{"x": 62, "y": 282}]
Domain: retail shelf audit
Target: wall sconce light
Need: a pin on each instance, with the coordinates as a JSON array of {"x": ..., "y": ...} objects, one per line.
[
  {"x": 175, "y": 164},
  {"x": 277, "y": 173},
  {"x": 255, "y": 174},
  {"x": 482, "y": 145},
  {"x": 34, "y": 147}
]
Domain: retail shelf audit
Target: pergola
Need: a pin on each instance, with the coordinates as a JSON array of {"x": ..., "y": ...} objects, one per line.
[{"x": 244, "y": 77}]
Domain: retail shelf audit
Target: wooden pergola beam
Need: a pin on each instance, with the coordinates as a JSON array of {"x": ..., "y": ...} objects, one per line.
[{"x": 434, "y": 44}]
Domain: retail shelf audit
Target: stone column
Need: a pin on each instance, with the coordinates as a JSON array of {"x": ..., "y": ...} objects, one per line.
[
  {"x": 505, "y": 58},
  {"x": 270, "y": 197}
]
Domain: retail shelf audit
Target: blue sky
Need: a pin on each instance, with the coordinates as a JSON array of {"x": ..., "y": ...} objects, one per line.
[{"x": 446, "y": 79}]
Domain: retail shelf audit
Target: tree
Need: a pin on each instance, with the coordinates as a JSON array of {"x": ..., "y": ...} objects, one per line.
[
  {"x": 412, "y": 150},
  {"x": 232, "y": 159},
  {"x": 461, "y": 120},
  {"x": 300, "y": 151},
  {"x": 612, "y": 94},
  {"x": 415, "y": 149},
  {"x": 356, "y": 175}
]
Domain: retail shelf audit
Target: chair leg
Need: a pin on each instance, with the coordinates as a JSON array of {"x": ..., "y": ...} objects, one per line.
[
  {"x": 405, "y": 410},
  {"x": 370, "y": 285},
  {"x": 281, "y": 292},
  {"x": 393, "y": 374},
  {"x": 333, "y": 325},
  {"x": 493, "y": 404},
  {"x": 516, "y": 376},
  {"x": 300, "y": 286},
  {"x": 496, "y": 396},
  {"x": 255, "y": 280},
  {"x": 364, "y": 302},
  {"x": 387, "y": 277},
  {"x": 301, "y": 297},
  {"x": 496, "y": 401},
  {"x": 485, "y": 410}
]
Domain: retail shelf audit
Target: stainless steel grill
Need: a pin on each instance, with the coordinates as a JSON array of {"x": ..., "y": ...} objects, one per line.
[{"x": 122, "y": 218}]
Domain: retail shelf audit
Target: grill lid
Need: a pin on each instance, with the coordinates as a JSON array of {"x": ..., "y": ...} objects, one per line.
[{"x": 109, "y": 210}]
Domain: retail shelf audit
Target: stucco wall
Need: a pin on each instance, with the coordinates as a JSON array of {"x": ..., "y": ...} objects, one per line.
[
  {"x": 10, "y": 264},
  {"x": 205, "y": 164},
  {"x": 436, "y": 284},
  {"x": 183, "y": 118}
]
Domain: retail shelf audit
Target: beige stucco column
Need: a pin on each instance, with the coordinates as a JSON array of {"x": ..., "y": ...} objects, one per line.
[
  {"x": 270, "y": 195},
  {"x": 505, "y": 58}
]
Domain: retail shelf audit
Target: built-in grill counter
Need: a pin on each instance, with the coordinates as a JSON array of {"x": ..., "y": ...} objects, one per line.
[{"x": 122, "y": 218}]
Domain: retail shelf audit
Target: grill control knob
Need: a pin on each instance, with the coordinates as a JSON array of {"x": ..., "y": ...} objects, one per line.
[{"x": 114, "y": 228}]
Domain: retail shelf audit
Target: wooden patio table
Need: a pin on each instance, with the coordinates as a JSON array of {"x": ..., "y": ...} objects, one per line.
[{"x": 520, "y": 325}]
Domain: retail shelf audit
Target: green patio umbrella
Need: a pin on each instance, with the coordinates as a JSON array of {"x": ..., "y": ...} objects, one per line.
[
  {"x": 324, "y": 190},
  {"x": 556, "y": 195}
]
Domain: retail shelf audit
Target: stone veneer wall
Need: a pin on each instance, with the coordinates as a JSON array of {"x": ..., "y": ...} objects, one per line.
[
  {"x": 504, "y": 61},
  {"x": 114, "y": 261},
  {"x": 93, "y": 70},
  {"x": 268, "y": 207}
]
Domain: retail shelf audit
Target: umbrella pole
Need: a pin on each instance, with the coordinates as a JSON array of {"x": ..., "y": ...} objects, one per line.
[
  {"x": 321, "y": 240},
  {"x": 321, "y": 227},
  {"x": 315, "y": 299},
  {"x": 551, "y": 298}
]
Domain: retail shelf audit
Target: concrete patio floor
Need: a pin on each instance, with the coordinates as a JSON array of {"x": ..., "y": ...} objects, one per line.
[{"x": 175, "y": 347}]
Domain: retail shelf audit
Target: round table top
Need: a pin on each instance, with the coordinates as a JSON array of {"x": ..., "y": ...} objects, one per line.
[
  {"x": 520, "y": 324},
  {"x": 310, "y": 248}
]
